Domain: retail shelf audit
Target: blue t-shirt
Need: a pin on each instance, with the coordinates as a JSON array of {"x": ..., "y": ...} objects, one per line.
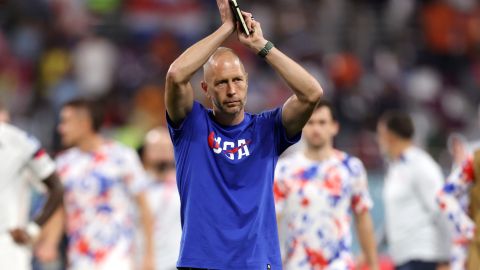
[{"x": 225, "y": 177}]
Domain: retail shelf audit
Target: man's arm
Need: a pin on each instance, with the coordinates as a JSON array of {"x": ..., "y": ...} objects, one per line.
[
  {"x": 307, "y": 91},
  {"x": 54, "y": 200},
  {"x": 178, "y": 90},
  {"x": 458, "y": 184},
  {"x": 366, "y": 237},
  {"x": 147, "y": 221},
  {"x": 46, "y": 250}
]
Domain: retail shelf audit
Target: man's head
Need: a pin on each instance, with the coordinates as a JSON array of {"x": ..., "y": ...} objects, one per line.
[
  {"x": 394, "y": 129},
  {"x": 158, "y": 155},
  {"x": 225, "y": 82},
  {"x": 321, "y": 127},
  {"x": 79, "y": 119},
  {"x": 4, "y": 115}
]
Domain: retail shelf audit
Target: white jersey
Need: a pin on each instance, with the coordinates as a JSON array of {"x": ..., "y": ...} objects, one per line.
[
  {"x": 18, "y": 152},
  {"x": 415, "y": 229},
  {"x": 164, "y": 201}
]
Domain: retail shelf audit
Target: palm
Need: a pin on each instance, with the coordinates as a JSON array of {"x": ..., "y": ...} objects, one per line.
[{"x": 225, "y": 12}]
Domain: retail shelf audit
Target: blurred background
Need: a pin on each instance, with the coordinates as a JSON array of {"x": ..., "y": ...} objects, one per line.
[
  {"x": 370, "y": 55},
  {"x": 422, "y": 56}
]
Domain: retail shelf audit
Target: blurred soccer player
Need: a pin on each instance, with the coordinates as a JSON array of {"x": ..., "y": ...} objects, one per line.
[
  {"x": 459, "y": 200},
  {"x": 458, "y": 148},
  {"x": 416, "y": 232},
  {"x": 102, "y": 180},
  {"x": 20, "y": 152},
  {"x": 315, "y": 192},
  {"x": 225, "y": 156},
  {"x": 162, "y": 195}
]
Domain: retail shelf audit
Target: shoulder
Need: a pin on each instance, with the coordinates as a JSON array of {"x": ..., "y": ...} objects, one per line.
[
  {"x": 16, "y": 136},
  {"x": 67, "y": 154},
  {"x": 268, "y": 114},
  {"x": 420, "y": 157},
  {"x": 119, "y": 149},
  {"x": 423, "y": 163},
  {"x": 353, "y": 164},
  {"x": 290, "y": 163}
]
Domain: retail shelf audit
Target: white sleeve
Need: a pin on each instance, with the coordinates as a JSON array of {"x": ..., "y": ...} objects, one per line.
[{"x": 36, "y": 158}]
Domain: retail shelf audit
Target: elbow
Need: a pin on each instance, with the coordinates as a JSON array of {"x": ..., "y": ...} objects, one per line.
[
  {"x": 315, "y": 93},
  {"x": 174, "y": 75}
]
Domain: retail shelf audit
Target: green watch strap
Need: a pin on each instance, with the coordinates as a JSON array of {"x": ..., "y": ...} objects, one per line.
[{"x": 263, "y": 52}]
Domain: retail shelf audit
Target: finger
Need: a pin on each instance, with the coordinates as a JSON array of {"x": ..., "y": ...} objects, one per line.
[
  {"x": 247, "y": 14},
  {"x": 254, "y": 26}
]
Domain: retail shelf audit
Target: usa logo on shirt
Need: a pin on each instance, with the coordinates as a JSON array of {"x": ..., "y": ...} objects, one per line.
[{"x": 232, "y": 150}]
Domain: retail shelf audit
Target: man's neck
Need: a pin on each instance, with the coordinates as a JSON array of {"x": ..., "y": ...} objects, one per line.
[
  {"x": 229, "y": 119},
  {"x": 400, "y": 148},
  {"x": 319, "y": 153},
  {"x": 90, "y": 143}
]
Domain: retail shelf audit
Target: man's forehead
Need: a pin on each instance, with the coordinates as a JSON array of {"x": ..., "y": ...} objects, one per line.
[
  {"x": 75, "y": 111},
  {"x": 224, "y": 60}
]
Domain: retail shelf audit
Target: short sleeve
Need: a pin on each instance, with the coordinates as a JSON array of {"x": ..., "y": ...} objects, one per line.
[
  {"x": 360, "y": 200},
  {"x": 282, "y": 141},
  {"x": 135, "y": 176},
  {"x": 37, "y": 160},
  {"x": 41, "y": 165},
  {"x": 176, "y": 133}
]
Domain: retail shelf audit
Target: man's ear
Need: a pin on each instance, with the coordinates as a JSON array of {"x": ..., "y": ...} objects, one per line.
[
  {"x": 205, "y": 88},
  {"x": 336, "y": 128}
]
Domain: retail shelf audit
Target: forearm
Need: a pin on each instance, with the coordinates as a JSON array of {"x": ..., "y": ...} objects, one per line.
[
  {"x": 183, "y": 68},
  {"x": 303, "y": 84},
  {"x": 366, "y": 238},
  {"x": 55, "y": 198},
  {"x": 53, "y": 229}
]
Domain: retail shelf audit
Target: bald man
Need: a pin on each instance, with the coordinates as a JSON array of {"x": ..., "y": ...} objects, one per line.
[
  {"x": 226, "y": 157},
  {"x": 4, "y": 114},
  {"x": 162, "y": 197}
]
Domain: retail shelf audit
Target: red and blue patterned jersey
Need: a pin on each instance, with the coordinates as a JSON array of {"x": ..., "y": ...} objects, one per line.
[
  {"x": 99, "y": 192},
  {"x": 453, "y": 200},
  {"x": 314, "y": 201}
]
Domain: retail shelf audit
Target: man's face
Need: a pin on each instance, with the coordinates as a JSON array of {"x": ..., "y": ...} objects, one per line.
[
  {"x": 384, "y": 137},
  {"x": 320, "y": 128},
  {"x": 159, "y": 150},
  {"x": 4, "y": 116},
  {"x": 226, "y": 84},
  {"x": 74, "y": 124}
]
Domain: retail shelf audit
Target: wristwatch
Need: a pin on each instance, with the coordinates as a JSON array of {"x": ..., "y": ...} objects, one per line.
[{"x": 263, "y": 52}]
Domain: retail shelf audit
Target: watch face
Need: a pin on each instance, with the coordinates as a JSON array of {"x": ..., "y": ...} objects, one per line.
[{"x": 239, "y": 17}]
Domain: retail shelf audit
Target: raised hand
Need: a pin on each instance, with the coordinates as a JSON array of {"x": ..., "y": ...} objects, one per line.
[
  {"x": 255, "y": 40},
  {"x": 225, "y": 12}
]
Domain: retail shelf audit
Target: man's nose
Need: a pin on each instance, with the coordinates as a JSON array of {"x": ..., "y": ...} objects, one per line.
[{"x": 231, "y": 90}]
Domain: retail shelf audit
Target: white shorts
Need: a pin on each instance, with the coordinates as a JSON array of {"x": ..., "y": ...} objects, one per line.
[{"x": 12, "y": 255}]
